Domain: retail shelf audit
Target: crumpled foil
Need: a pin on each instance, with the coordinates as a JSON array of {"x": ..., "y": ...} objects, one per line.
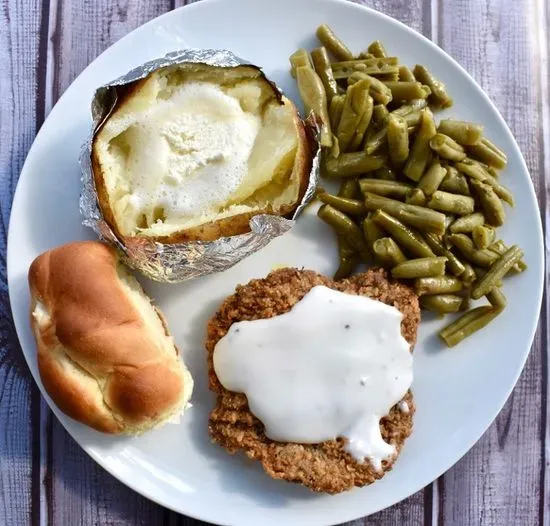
[{"x": 183, "y": 261}]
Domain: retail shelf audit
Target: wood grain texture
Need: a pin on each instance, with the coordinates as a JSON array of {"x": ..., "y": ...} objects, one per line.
[
  {"x": 499, "y": 481},
  {"x": 20, "y": 23}
]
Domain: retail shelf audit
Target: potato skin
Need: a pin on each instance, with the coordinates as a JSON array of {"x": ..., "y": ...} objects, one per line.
[{"x": 225, "y": 227}]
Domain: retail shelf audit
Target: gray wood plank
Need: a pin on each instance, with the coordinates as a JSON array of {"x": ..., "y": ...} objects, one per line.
[
  {"x": 499, "y": 481},
  {"x": 20, "y": 116}
]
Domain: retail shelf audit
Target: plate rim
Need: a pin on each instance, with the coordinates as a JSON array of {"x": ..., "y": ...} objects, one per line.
[{"x": 64, "y": 419}]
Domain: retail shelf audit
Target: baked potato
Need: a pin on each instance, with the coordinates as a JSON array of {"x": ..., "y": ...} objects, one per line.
[{"x": 192, "y": 152}]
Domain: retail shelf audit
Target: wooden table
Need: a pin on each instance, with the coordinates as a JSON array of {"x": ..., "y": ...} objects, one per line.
[{"x": 45, "y": 478}]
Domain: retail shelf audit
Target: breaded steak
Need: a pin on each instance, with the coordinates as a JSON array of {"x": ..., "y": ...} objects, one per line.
[{"x": 324, "y": 467}]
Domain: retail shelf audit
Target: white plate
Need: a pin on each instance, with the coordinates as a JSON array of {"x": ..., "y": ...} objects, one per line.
[{"x": 458, "y": 392}]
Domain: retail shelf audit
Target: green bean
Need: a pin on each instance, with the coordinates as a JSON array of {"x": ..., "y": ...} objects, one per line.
[
  {"x": 480, "y": 272},
  {"x": 314, "y": 97},
  {"x": 335, "y": 110},
  {"x": 500, "y": 190},
  {"x": 420, "y": 268},
  {"x": 385, "y": 173},
  {"x": 439, "y": 96},
  {"x": 416, "y": 197},
  {"x": 467, "y": 324},
  {"x": 451, "y": 203},
  {"x": 483, "y": 258},
  {"x": 447, "y": 148},
  {"x": 349, "y": 188},
  {"x": 347, "y": 205},
  {"x": 433, "y": 177},
  {"x": 472, "y": 169},
  {"x": 378, "y": 90},
  {"x": 321, "y": 64},
  {"x": 413, "y": 106},
  {"x": 490, "y": 203},
  {"x": 442, "y": 303},
  {"x": 455, "y": 266},
  {"x": 356, "y": 110},
  {"x": 437, "y": 285},
  {"x": 398, "y": 140},
  {"x": 497, "y": 298},
  {"x": 352, "y": 164},
  {"x": 415, "y": 216},
  {"x": 487, "y": 152},
  {"x": 370, "y": 66},
  {"x": 362, "y": 125},
  {"x": 454, "y": 182},
  {"x": 365, "y": 54},
  {"x": 388, "y": 253},
  {"x": 409, "y": 240},
  {"x": 299, "y": 59},
  {"x": 466, "y": 224},
  {"x": 333, "y": 43},
  {"x": 394, "y": 189},
  {"x": 405, "y": 74},
  {"x": 418, "y": 158},
  {"x": 469, "y": 274},
  {"x": 483, "y": 236},
  {"x": 499, "y": 248},
  {"x": 372, "y": 232},
  {"x": 497, "y": 271},
  {"x": 407, "y": 90},
  {"x": 345, "y": 227},
  {"x": 376, "y": 48},
  {"x": 465, "y": 133},
  {"x": 349, "y": 259},
  {"x": 376, "y": 140},
  {"x": 380, "y": 115}
]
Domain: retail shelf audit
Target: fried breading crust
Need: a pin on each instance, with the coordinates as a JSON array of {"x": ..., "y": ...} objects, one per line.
[{"x": 324, "y": 467}]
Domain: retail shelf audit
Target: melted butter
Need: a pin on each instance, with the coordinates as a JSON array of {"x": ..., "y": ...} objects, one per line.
[{"x": 330, "y": 367}]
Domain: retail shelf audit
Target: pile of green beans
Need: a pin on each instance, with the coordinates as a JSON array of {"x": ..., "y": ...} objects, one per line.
[{"x": 421, "y": 199}]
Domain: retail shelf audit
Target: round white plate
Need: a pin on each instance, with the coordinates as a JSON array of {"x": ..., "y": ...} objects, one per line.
[{"x": 458, "y": 392}]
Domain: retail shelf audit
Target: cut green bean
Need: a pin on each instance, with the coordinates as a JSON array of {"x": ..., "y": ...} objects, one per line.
[
  {"x": 451, "y": 203},
  {"x": 349, "y": 188},
  {"x": 490, "y": 203},
  {"x": 378, "y": 90},
  {"x": 357, "y": 112},
  {"x": 447, "y": 148},
  {"x": 321, "y": 64},
  {"x": 371, "y": 66},
  {"x": 405, "y": 74},
  {"x": 387, "y": 252},
  {"x": 465, "y": 133},
  {"x": 362, "y": 125},
  {"x": 469, "y": 323},
  {"x": 394, "y": 189},
  {"x": 442, "y": 303},
  {"x": 420, "y": 268},
  {"x": 376, "y": 140},
  {"x": 398, "y": 140},
  {"x": 487, "y": 152},
  {"x": 349, "y": 259},
  {"x": 416, "y": 197},
  {"x": 454, "y": 265},
  {"x": 433, "y": 177},
  {"x": 466, "y": 224},
  {"x": 347, "y": 205},
  {"x": 497, "y": 271},
  {"x": 437, "y": 285},
  {"x": 419, "y": 155},
  {"x": 372, "y": 232},
  {"x": 417, "y": 217},
  {"x": 352, "y": 164},
  {"x": 314, "y": 97},
  {"x": 455, "y": 182},
  {"x": 439, "y": 96},
  {"x": 407, "y": 238},
  {"x": 469, "y": 274},
  {"x": 345, "y": 227},
  {"x": 483, "y": 258},
  {"x": 338, "y": 49},
  {"x": 377, "y": 49},
  {"x": 483, "y": 236},
  {"x": 407, "y": 90},
  {"x": 497, "y": 298},
  {"x": 335, "y": 110},
  {"x": 299, "y": 58},
  {"x": 499, "y": 248},
  {"x": 380, "y": 115}
]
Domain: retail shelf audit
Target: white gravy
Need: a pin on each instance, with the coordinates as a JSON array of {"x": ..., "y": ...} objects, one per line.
[{"x": 330, "y": 367}]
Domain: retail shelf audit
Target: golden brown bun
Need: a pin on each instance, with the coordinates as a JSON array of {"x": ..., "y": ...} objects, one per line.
[
  {"x": 279, "y": 195},
  {"x": 104, "y": 352}
]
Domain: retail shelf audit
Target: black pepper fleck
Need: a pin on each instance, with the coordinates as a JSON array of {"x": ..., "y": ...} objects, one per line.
[{"x": 347, "y": 325}]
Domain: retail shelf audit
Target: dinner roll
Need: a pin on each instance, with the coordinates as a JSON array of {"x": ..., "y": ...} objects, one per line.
[{"x": 105, "y": 355}]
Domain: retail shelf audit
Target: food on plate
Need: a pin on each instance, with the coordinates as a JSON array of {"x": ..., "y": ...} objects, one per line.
[
  {"x": 419, "y": 198},
  {"x": 285, "y": 319},
  {"x": 105, "y": 355},
  {"x": 192, "y": 152}
]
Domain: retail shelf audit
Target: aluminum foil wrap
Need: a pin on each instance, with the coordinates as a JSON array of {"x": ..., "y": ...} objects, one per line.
[{"x": 179, "y": 262}]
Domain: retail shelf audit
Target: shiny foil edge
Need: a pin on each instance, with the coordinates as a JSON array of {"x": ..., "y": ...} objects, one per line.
[{"x": 175, "y": 263}]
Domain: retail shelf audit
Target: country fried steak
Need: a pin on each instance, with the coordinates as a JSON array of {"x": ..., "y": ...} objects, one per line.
[{"x": 324, "y": 467}]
